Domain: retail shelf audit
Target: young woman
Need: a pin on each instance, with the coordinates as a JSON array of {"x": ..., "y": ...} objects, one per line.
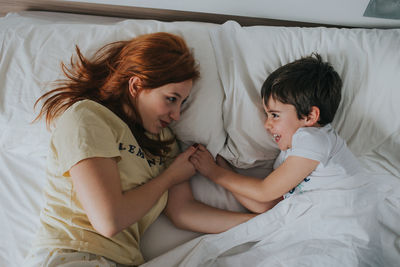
[{"x": 112, "y": 157}]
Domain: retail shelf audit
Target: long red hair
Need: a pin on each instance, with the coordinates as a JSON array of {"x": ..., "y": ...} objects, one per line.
[{"x": 157, "y": 59}]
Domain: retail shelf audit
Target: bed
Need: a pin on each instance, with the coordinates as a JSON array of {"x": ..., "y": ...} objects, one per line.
[{"x": 352, "y": 223}]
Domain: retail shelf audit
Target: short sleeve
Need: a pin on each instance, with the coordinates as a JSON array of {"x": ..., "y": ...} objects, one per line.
[
  {"x": 311, "y": 143},
  {"x": 82, "y": 133}
]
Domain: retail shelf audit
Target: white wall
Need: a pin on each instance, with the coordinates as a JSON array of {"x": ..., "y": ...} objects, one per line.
[{"x": 341, "y": 12}]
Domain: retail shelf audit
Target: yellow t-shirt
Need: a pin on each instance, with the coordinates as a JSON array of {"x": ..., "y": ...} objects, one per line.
[{"x": 88, "y": 129}]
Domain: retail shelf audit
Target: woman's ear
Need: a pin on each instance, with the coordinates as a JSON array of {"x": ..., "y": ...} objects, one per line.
[
  {"x": 134, "y": 85},
  {"x": 313, "y": 116}
]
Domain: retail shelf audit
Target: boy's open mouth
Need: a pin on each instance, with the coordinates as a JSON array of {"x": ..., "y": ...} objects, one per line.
[{"x": 276, "y": 137}]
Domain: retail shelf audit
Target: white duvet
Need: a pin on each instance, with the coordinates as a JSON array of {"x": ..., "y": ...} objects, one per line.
[{"x": 352, "y": 222}]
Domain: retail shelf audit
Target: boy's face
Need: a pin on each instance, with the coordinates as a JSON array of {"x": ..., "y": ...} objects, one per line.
[{"x": 282, "y": 122}]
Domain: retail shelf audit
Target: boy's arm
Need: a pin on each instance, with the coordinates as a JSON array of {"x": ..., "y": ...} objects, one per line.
[
  {"x": 250, "y": 204},
  {"x": 288, "y": 175}
]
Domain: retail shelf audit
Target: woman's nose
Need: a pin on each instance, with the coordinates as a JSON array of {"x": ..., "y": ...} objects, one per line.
[{"x": 175, "y": 113}]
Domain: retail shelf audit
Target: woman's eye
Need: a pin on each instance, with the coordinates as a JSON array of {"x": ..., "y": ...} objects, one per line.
[
  {"x": 171, "y": 99},
  {"x": 274, "y": 115}
]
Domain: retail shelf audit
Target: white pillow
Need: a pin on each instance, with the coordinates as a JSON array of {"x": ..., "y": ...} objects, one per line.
[
  {"x": 32, "y": 55},
  {"x": 366, "y": 59},
  {"x": 201, "y": 120}
]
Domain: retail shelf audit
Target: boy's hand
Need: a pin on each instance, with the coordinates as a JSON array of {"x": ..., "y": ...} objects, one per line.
[{"x": 203, "y": 161}]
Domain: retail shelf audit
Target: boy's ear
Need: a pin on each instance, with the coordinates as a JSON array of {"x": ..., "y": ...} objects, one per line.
[
  {"x": 134, "y": 85},
  {"x": 313, "y": 117}
]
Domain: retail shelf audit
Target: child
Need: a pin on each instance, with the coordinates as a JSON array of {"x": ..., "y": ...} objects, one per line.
[{"x": 300, "y": 100}]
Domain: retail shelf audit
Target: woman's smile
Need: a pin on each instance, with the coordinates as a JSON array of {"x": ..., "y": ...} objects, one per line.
[{"x": 164, "y": 124}]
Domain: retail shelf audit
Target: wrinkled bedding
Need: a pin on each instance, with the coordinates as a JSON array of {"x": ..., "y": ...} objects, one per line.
[{"x": 352, "y": 222}]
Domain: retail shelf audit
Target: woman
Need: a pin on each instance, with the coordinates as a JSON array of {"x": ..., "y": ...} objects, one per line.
[{"x": 112, "y": 157}]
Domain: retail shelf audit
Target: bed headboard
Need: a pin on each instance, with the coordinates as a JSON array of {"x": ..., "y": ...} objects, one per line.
[{"x": 141, "y": 13}]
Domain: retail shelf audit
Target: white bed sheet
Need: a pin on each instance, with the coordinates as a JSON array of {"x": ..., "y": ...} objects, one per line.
[{"x": 33, "y": 43}]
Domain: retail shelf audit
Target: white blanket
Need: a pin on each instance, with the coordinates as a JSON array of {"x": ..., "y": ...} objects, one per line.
[{"x": 352, "y": 222}]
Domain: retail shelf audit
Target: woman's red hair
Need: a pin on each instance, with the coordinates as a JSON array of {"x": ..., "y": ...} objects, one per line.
[{"x": 157, "y": 59}]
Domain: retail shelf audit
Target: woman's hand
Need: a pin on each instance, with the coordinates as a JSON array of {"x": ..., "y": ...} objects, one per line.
[
  {"x": 204, "y": 162},
  {"x": 181, "y": 168}
]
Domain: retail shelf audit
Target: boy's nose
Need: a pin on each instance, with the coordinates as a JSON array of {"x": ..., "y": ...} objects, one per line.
[{"x": 267, "y": 125}]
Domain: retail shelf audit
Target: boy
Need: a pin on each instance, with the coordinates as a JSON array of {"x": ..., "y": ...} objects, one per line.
[{"x": 300, "y": 100}]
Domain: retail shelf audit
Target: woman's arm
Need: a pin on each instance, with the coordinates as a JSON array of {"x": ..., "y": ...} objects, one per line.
[
  {"x": 256, "y": 206},
  {"x": 187, "y": 213},
  {"x": 98, "y": 187}
]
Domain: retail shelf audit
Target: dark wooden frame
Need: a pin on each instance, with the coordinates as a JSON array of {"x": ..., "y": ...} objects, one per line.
[{"x": 140, "y": 13}]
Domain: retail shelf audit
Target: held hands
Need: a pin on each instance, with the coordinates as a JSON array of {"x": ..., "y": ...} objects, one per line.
[
  {"x": 181, "y": 168},
  {"x": 196, "y": 157},
  {"x": 204, "y": 162}
]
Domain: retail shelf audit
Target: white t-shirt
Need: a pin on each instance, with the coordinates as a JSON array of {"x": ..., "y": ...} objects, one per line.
[
  {"x": 322, "y": 144},
  {"x": 88, "y": 129}
]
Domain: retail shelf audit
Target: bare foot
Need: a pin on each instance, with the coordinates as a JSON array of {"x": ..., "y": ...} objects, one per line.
[{"x": 223, "y": 163}]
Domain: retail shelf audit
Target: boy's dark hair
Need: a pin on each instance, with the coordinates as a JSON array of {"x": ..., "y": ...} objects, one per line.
[{"x": 304, "y": 83}]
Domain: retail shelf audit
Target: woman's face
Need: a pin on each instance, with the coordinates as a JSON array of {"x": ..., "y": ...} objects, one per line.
[{"x": 160, "y": 106}]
